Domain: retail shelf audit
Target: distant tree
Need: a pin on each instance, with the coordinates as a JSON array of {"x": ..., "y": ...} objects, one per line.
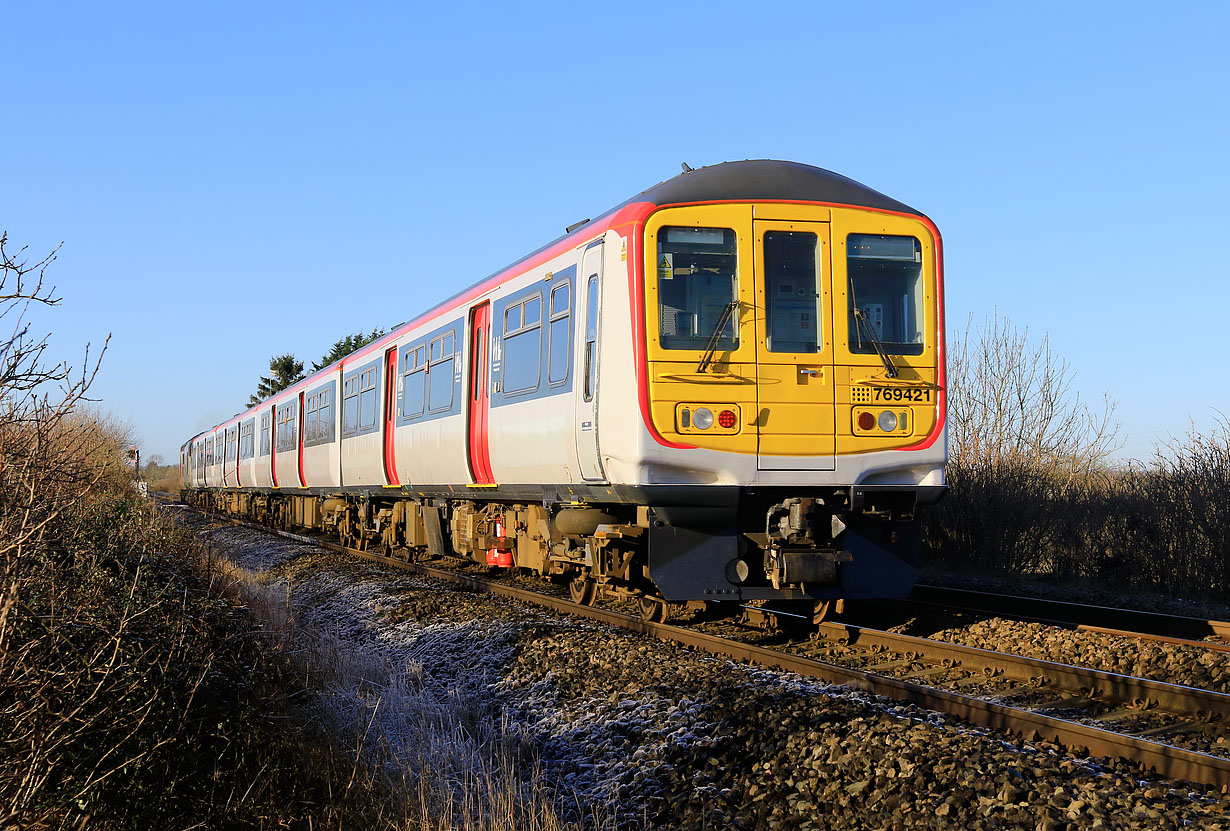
[
  {"x": 284, "y": 370},
  {"x": 344, "y": 346}
]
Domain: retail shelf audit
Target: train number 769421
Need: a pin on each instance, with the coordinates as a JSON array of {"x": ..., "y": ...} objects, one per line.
[{"x": 912, "y": 394}]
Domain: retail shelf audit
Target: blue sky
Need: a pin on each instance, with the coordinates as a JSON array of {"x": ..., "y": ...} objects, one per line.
[{"x": 237, "y": 180}]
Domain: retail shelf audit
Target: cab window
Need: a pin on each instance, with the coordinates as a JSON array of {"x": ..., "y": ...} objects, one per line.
[
  {"x": 886, "y": 289},
  {"x": 696, "y": 282}
]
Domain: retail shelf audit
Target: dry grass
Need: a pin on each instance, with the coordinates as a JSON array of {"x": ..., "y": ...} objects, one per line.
[{"x": 450, "y": 762}]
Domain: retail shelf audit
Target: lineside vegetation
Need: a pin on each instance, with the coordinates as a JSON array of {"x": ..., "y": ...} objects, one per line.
[
  {"x": 1034, "y": 489},
  {"x": 137, "y": 687}
]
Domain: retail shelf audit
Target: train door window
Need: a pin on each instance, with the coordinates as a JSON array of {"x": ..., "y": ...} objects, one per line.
[
  {"x": 792, "y": 303},
  {"x": 367, "y": 399},
  {"x": 350, "y": 406},
  {"x": 522, "y": 348},
  {"x": 886, "y": 287},
  {"x": 265, "y": 433},
  {"x": 559, "y": 336},
  {"x": 414, "y": 382},
  {"x": 591, "y": 337},
  {"x": 209, "y": 452},
  {"x": 440, "y": 373},
  {"x": 696, "y": 282}
]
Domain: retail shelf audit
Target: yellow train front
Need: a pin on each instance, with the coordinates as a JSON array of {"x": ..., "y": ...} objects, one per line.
[{"x": 788, "y": 330}]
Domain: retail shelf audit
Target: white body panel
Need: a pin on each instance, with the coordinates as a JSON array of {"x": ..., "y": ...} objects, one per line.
[
  {"x": 432, "y": 452},
  {"x": 363, "y": 460},
  {"x": 321, "y": 466}
]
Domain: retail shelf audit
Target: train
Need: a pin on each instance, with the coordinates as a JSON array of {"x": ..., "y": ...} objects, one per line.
[{"x": 728, "y": 389}]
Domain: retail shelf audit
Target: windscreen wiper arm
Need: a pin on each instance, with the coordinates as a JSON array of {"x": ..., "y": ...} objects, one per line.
[
  {"x": 863, "y": 324},
  {"x": 716, "y": 335}
]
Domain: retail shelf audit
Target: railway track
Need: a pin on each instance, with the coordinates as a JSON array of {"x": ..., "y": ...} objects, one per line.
[
  {"x": 1097, "y": 712},
  {"x": 1131, "y": 623}
]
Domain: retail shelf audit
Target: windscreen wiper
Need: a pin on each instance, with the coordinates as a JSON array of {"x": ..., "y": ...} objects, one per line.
[
  {"x": 716, "y": 335},
  {"x": 863, "y": 324}
]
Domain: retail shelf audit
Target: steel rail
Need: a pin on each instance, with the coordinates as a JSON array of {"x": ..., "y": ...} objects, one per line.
[
  {"x": 1189, "y": 702},
  {"x": 1166, "y": 760},
  {"x": 1128, "y": 622}
]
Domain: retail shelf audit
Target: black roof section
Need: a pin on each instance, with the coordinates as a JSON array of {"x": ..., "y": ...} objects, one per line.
[{"x": 767, "y": 180}]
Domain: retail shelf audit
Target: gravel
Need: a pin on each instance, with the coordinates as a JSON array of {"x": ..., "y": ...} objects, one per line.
[
  {"x": 646, "y": 734},
  {"x": 1191, "y": 666}
]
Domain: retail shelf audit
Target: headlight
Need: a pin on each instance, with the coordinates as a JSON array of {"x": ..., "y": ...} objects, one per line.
[
  {"x": 702, "y": 418},
  {"x": 888, "y": 421}
]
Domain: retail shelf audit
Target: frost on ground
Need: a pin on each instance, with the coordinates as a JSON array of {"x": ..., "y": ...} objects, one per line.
[{"x": 473, "y": 700}]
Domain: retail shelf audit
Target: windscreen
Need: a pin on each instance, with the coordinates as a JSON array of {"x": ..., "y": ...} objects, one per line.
[{"x": 886, "y": 284}]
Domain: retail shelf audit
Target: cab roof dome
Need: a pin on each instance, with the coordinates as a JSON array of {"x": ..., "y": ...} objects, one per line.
[{"x": 766, "y": 179}]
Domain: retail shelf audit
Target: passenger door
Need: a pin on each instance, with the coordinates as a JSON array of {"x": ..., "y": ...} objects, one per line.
[
  {"x": 589, "y": 293},
  {"x": 794, "y": 345},
  {"x": 478, "y": 398},
  {"x": 390, "y": 415}
]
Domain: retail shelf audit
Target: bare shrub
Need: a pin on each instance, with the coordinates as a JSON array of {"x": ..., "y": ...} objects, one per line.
[
  {"x": 1025, "y": 454},
  {"x": 1170, "y": 530},
  {"x": 131, "y": 694}
]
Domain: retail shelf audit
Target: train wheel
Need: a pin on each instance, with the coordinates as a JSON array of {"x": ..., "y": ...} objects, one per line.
[
  {"x": 653, "y": 609},
  {"x": 583, "y": 589}
]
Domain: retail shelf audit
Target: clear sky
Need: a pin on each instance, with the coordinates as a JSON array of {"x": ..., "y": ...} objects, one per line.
[{"x": 237, "y": 180}]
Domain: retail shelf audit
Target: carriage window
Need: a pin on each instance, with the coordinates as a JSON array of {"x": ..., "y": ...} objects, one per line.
[
  {"x": 367, "y": 399},
  {"x": 311, "y": 418},
  {"x": 886, "y": 286},
  {"x": 414, "y": 386},
  {"x": 287, "y": 437},
  {"x": 265, "y": 434},
  {"x": 440, "y": 374},
  {"x": 350, "y": 406},
  {"x": 696, "y": 282},
  {"x": 560, "y": 343},
  {"x": 792, "y": 303},
  {"x": 324, "y": 415},
  {"x": 247, "y": 431},
  {"x": 522, "y": 346}
]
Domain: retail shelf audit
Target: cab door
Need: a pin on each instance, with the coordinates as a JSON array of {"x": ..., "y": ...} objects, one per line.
[
  {"x": 588, "y": 292},
  {"x": 794, "y": 346}
]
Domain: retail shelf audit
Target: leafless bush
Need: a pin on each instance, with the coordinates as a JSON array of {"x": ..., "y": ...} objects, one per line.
[
  {"x": 1024, "y": 453},
  {"x": 1032, "y": 490},
  {"x": 1169, "y": 529},
  {"x": 131, "y": 694}
]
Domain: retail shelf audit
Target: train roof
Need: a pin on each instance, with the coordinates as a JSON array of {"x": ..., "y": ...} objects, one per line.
[{"x": 769, "y": 180}]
